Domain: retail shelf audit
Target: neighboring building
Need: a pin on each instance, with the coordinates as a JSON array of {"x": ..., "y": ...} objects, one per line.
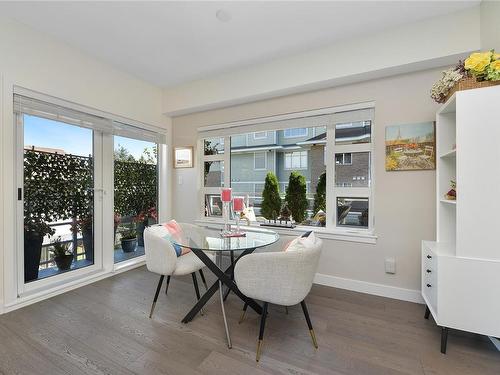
[{"x": 253, "y": 155}]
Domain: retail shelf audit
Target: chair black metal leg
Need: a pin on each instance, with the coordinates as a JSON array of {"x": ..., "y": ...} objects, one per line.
[
  {"x": 444, "y": 339},
  {"x": 261, "y": 331},
  {"x": 427, "y": 312},
  {"x": 196, "y": 289},
  {"x": 245, "y": 306},
  {"x": 203, "y": 279},
  {"x": 158, "y": 288},
  {"x": 309, "y": 324},
  {"x": 168, "y": 283}
]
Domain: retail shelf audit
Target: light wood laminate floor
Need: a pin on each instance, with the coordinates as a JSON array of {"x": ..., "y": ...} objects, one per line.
[{"x": 104, "y": 328}]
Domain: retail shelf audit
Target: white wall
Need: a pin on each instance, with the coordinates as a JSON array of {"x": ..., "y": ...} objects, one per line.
[
  {"x": 34, "y": 61},
  {"x": 423, "y": 45},
  {"x": 404, "y": 201},
  {"x": 490, "y": 25}
]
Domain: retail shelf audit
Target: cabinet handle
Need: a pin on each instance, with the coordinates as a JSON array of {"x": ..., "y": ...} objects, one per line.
[
  {"x": 429, "y": 285},
  {"x": 428, "y": 271},
  {"x": 429, "y": 257}
]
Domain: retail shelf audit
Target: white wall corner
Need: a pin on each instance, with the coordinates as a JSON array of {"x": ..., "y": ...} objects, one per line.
[
  {"x": 490, "y": 25},
  {"x": 422, "y": 45},
  {"x": 381, "y": 290}
]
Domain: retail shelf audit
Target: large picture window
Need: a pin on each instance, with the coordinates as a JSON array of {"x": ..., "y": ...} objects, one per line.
[{"x": 322, "y": 171}]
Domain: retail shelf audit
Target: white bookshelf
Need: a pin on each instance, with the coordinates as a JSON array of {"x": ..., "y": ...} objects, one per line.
[{"x": 461, "y": 269}]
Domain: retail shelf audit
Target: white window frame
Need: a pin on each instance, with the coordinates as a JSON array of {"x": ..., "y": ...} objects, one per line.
[
  {"x": 340, "y": 115},
  {"x": 103, "y": 204},
  {"x": 343, "y": 158},
  {"x": 223, "y": 157},
  {"x": 291, "y": 168},
  {"x": 265, "y": 161},
  {"x": 295, "y": 136},
  {"x": 255, "y": 137}
]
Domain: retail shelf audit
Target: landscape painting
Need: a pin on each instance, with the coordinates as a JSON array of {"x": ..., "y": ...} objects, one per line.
[{"x": 410, "y": 147}]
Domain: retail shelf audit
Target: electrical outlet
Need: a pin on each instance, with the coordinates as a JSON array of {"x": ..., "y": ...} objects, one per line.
[{"x": 390, "y": 265}]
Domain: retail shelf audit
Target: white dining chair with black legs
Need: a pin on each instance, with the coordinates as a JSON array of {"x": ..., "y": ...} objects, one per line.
[
  {"x": 161, "y": 258},
  {"x": 281, "y": 278}
]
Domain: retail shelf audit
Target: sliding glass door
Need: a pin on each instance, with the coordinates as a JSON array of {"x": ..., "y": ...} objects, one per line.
[
  {"x": 58, "y": 197},
  {"x": 75, "y": 171},
  {"x": 135, "y": 194}
]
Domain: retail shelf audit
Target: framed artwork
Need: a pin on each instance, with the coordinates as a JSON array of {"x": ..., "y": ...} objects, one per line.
[
  {"x": 183, "y": 157},
  {"x": 410, "y": 147}
]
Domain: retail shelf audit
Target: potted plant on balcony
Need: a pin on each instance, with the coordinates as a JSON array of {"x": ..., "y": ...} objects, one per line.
[
  {"x": 35, "y": 229},
  {"x": 61, "y": 254},
  {"x": 129, "y": 239},
  {"x": 85, "y": 226},
  {"x": 144, "y": 219}
]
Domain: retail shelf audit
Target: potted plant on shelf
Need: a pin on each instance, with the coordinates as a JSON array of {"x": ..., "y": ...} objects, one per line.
[
  {"x": 480, "y": 69},
  {"x": 129, "y": 239},
  {"x": 62, "y": 255}
]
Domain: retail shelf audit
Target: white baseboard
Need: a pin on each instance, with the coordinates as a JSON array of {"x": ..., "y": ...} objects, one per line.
[
  {"x": 381, "y": 290},
  {"x": 60, "y": 289}
]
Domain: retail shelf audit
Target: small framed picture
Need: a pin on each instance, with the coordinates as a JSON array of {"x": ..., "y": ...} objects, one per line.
[{"x": 183, "y": 157}]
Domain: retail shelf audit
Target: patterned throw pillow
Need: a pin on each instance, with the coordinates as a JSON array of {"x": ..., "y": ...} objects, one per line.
[
  {"x": 301, "y": 243},
  {"x": 175, "y": 235}
]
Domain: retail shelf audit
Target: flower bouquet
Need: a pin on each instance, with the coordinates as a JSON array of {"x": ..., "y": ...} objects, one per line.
[{"x": 480, "y": 69}]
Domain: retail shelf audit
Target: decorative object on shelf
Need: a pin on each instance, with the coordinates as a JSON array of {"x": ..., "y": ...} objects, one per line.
[
  {"x": 451, "y": 195},
  {"x": 480, "y": 69},
  {"x": 410, "y": 147},
  {"x": 183, "y": 157},
  {"x": 278, "y": 223},
  {"x": 62, "y": 255},
  {"x": 226, "y": 198}
]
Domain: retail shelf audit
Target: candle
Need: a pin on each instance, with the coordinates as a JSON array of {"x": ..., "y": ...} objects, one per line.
[
  {"x": 225, "y": 195},
  {"x": 238, "y": 204}
]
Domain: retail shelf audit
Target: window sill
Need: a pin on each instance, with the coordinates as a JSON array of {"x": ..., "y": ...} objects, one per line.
[{"x": 337, "y": 235}]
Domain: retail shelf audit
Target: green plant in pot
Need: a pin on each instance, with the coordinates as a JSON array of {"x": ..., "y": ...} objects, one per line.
[
  {"x": 85, "y": 227},
  {"x": 35, "y": 229},
  {"x": 129, "y": 239},
  {"x": 61, "y": 254}
]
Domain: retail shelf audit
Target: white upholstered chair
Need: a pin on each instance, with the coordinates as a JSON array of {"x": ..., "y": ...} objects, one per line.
[
  {"x": 162, "y": 259},
  {"x": 282, "y": 278}
]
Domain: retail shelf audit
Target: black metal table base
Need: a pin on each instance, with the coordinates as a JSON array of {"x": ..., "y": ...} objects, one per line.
[{"x": 226, "y": 278}]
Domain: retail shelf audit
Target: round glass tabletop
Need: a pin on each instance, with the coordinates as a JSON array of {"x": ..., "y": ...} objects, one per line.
[{"x": 210, "y": 239}]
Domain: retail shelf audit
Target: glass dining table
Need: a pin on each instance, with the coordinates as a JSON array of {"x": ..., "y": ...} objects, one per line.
[{"x": 204, "y": 240}]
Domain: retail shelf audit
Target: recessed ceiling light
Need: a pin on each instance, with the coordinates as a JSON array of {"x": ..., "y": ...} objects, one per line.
[{"x": 223, "y": 15}]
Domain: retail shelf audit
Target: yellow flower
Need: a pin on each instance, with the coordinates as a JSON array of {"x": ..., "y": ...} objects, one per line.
[
  {"x": 496, "y": 56},
  {"x": 495, "y": 65},
  {"x": 478, "y": 61}
]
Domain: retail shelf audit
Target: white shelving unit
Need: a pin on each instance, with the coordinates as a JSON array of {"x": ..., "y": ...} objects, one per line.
[{"x": 461, "y": 270}]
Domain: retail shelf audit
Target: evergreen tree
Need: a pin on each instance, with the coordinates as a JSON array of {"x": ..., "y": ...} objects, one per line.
[
  {"x": 271, "y": 200},
  {"x": 320, "y": 196},
  {"x": 296, "y": 196}
]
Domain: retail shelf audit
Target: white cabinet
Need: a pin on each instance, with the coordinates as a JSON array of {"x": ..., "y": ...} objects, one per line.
[{"x": 461, "y": 270}]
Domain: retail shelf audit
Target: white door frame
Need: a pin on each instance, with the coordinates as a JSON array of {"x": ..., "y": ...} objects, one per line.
[{"x": 99, "y": 201}]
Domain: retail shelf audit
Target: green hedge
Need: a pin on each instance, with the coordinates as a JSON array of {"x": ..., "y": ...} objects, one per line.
[{"x": 59, "y": 187}]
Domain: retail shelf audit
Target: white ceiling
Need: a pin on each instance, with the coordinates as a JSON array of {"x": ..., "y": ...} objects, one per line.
[{"x": 168, "y": 43}]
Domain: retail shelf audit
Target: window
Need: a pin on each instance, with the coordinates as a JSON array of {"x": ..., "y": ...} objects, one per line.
[
  {"x": 260, "y": 135},
  {"x": 259, "y": 161},
  {"x": 332, "y": 157},
  {"x": 343, "y": 159},
  {"x": 296, "y": 160},
  {"x": 135, "y": 193},
  {"x": 295, "y": 132}
]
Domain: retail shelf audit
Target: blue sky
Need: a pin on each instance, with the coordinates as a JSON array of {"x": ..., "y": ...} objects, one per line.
[
  {"x": 72, "y": 139},
  {"x": 418, "y": 130}
]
